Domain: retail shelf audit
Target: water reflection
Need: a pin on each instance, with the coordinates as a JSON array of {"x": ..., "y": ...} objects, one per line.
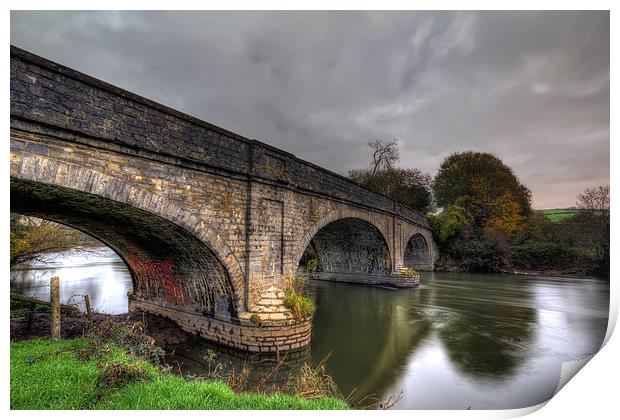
[
  {"x": 485, "y": 328},
  {"x": 199, "y": 357},
  {"x": 362, "y": 329},
  {"x": 459, "y": 340},
  {"x": 101, "y": 274}
]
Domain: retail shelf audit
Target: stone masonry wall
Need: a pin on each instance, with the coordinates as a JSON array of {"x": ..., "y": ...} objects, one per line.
[
  {"x": 283, "y": 224},
  {"x": 266, "y": 337},
  {"x": 54, "y": 95},
  {"x": 218, "y": 201},
  {"x": 211, "y": 209}
]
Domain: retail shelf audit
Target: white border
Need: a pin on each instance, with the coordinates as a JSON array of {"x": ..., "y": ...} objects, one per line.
[{"x": 592, "y": 394}]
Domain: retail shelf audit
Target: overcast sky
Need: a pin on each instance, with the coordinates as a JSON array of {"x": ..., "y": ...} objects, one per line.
[{"x": 530, "y": 87}]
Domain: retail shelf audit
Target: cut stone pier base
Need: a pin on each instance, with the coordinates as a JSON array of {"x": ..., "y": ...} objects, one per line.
[
  {"x": 273, "y": 329},
  {"x": 388, "y": 280}
]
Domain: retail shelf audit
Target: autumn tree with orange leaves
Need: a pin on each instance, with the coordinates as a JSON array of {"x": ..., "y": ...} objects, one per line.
[{"x": 486, "y": 189}]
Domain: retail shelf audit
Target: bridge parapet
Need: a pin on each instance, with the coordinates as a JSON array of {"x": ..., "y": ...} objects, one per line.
[{"x": 54, "y": 95}]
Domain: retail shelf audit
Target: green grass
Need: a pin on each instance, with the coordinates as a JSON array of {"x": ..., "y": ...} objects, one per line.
[
  {"x": 557, "y": 215},
  {"x": 46, "y": 374}
]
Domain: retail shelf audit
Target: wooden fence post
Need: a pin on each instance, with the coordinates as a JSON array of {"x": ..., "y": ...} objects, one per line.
[
  {"x": 33, "y": 307},
  {"x": 55, "y": 302},
  {"x": 89, "y": 311}
]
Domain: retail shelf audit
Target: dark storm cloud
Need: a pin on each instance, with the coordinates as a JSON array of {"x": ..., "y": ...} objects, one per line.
[{"x": 530, "y": 87}]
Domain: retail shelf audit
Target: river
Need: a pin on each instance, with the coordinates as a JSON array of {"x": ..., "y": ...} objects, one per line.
[{"x": 460, "y": 340}]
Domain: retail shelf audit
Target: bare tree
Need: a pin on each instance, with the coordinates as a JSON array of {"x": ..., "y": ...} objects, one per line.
[
  {"x": 34, "y": 239},
  {"x": 384, "y": 155},
  {"x": 596, "y": 199},
  {"x": 593, "y": 226},
  {"x": 411, "y": 187}
]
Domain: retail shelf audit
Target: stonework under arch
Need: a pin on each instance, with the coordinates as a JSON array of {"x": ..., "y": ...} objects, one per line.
[
  {"x": 339, "y": 215},
  {"x": 417, "y": 252},
  {"x": 352, "y": 245},
  {"x": 173, "y": 258}
]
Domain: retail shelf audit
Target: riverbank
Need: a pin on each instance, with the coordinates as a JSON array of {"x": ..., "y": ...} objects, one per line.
[
  {"x": 163, "y": 331},
  {"x": 76, "y": 374},
  {"x": 133, "y": 354},
  {"x": 497, "y": 326},
  {"x": 517, "y": 271}
]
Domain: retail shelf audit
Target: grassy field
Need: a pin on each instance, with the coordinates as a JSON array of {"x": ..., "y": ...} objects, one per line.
[
  {"x": 70, "y": 374},
  {"x": 557, "y": 215}
]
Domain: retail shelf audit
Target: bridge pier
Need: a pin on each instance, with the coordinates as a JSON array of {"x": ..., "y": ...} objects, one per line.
[
  {"x": 266, "y": 336},
  {"x": 390, "y": 280}
]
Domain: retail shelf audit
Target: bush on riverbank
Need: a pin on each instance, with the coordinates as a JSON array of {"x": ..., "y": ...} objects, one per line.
[
  {"x": 128, "y": 336},
  {"x": 70, "y": 374},
  {"x": 543, "y": 247}
]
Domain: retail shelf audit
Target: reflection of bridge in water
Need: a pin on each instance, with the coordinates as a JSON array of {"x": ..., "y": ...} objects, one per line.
[
  {"x": 199, "y": 357},
  {"x": 379, "y": 331},
  {"x": 373, "y": 334}
]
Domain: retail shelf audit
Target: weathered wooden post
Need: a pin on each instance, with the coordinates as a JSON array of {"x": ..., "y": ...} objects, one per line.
[
  {"x": 89, "y": 311},
  {"x": 33, "y": 307},
  {"x": 55, "y": 302}
]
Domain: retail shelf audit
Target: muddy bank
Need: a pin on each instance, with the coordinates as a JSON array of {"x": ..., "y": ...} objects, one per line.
[
  {"x": 523, "y": 272},
  {"x": 162, "y": 330}
]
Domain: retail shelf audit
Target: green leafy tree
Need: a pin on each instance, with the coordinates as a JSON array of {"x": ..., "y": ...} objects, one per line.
[
  {"x": 538, "y": 228},
  {"x": 450, "y": 223}
]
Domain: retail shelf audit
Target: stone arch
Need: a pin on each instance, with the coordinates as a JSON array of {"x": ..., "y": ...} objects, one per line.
[
  {"x": 204, "y": 250},
  {"x": 417, "y": 252},
  {"x": 348, "y": 224}
]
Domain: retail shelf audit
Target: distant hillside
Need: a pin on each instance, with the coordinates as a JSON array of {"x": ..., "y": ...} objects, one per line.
[{"x": 557, "y": 215}]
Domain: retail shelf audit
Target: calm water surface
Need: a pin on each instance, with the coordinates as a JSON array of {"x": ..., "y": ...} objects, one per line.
[
  {"x": 460, "y": 340},
  {"x": 100, "y": 274}
]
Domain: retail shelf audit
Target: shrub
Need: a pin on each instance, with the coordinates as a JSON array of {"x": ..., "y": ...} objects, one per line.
[
  {"x": 312, "y": 265},
  {"x": 536, "y": 255},
  {"x": 118, "y": 374},
  {"x": 130, "y": 337},
  {"x": 482, "y": 254},
  {"x": 299, "y": 283},
  {"x": 255, "y": 319},
  {"x": 314, "y": 383},
  {"x": 290, "y": 299},
  {"x": 408, "y": 272},
  {"x": 449, "y": 223},
  {"x": 300, "y": 306},
  {"x": 306, "y": 307}
]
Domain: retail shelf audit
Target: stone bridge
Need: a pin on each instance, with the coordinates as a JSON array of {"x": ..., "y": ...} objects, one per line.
[{"x": 211, "y": 225}]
